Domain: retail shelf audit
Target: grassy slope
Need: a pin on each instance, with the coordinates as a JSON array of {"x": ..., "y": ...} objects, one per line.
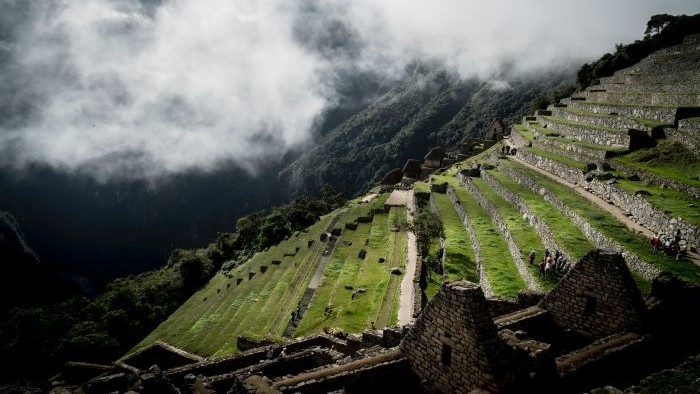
[
  {"x": 212, "y": 319},
  {"x": 611, "y": 227},
  {"x": 495, "y": 256},
  {"x": 523, "y": 234}
]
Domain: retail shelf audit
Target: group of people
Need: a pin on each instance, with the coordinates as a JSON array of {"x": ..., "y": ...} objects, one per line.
[
  {"x": 549, "y": 263},
  {"x": 672, "y": 246},
  {"x": 507, "y": 150}
]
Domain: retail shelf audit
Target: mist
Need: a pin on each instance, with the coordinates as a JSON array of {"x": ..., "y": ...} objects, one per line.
[{"x": 126, "y": 89}]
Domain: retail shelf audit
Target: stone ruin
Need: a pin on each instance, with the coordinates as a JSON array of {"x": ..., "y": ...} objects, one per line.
[{"x": 570, "y": 340}]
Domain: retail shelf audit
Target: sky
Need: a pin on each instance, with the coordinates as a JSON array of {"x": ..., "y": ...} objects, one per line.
[{"x": 141, "y": 89}]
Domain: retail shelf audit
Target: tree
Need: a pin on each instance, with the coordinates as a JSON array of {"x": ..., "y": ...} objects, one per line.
[
  {"x": 658, "y": 22},
  {"x": 427, "y": 228}
]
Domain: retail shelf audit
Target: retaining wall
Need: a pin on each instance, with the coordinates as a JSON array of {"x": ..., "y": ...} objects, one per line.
[
  {"x": 542, "y": 229},
  {"x": 613, "y": 139},
  {"x": 663, "y": 114},
  {"x": 596, "y": 237},
  {"x": 637, "y": 207},
  {"x": 614, "y": 122},
  {"x": 515, "y": 252},
  {"x": 464, "y": 217}
]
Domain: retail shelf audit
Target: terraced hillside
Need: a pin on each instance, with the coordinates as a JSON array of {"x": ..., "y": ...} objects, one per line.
[
  {"x": 336, "y": 274},
  {"x": 607, "y": 168}
]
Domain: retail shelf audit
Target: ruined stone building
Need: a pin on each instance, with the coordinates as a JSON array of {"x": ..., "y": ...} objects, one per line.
[
  {"x": 570, "y": 340},
  {"x": 496, "y": 130}
]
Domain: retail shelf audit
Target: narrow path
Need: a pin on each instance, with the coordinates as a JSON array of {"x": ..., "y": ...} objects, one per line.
[
  {"x": 614, "y": 210},
  {"x": 406, "y": 292}
]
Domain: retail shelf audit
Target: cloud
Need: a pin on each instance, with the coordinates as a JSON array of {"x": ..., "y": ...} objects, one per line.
[{"x": 126, "y": 88}]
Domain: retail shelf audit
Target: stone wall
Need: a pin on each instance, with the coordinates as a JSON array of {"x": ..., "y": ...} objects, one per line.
[
  {"x": 517, "y": 139},
  {"x": 583, "y": 133},
  {"x": 581, "y": 153},
  {"x": 647, "y": 78},
  {"x": 639, "y": 209},
  {"x": 597, "y": 297},
  {"x": 464, "y": 217},
  {"x": 663, "y": 114},
  {"x": 689, "y": 138},
  {"x": 644, "y": 98},
  {"x": 615, "y": 122},
  {"x": 596, "y": 237},
  {"x": 515, "y": 252},
  {"x": 542, "y": 229},
  {"x": 454, "y": 346},
  {"x": 677, "y": 88}
]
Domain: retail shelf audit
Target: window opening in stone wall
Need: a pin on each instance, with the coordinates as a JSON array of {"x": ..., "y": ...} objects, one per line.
[
  {"x": 446, "y": 357},
  {"x": 591, "y": 304}
]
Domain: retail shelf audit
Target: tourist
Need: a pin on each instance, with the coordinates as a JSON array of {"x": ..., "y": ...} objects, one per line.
[
  {"x": 531, "y": 256},
  {"x": 655, "y": 243},
  {"x": 542, "y": 266},
  {"x": 549, "y": 266},
  {"x": 283, "y": 353},
  {"x": 270, "y": 353}
]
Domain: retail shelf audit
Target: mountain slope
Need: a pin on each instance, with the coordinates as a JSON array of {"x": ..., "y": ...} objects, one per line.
[{"x": 431, "y": 107}]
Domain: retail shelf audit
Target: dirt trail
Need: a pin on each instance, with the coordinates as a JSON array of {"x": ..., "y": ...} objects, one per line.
[{"x": 614, "y": 210}]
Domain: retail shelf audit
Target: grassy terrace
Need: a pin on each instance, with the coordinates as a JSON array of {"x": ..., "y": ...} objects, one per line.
[
  {"x": 583, "y": 112},
  {"x": 495, "y": 256},
  {"x": 566, "y": 234},
  {"x": 586, "y": 144},
  {"x": 525, "y": 237},
  {"x": 209, "y": 322},
  {"x": 668, "y": 159},
  {"x": 671, "y": 202},
  {"x": 522, "y": 130},
  {"x": 556, "y": 119},
  {"x": 611, "y": 227},
  {"x": 651, "y": 123},
  {"x": 460, "y": 261},
  {"x": 421, "y": 188},
  {"x": 347, "y": 272},
  {"x": 555, "y": 157}
]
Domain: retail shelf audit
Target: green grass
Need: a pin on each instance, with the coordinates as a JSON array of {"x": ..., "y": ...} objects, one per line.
[
  {"x": 668, "y": 159},
  {"x": 379, "y": 302},
  {"x": 421, "y": 188},
  {"x": 669, "y": 201},
  {"x": 613, "y": 228},
  {"x": 495, "y": 256},
  {"x": 567, "y": 235},
  {"x": 460, "y": 262},
  {"x": 209, "y": 322},
  {"x": 524, "y": 236},
  {"x": 522, "y": 130}
]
